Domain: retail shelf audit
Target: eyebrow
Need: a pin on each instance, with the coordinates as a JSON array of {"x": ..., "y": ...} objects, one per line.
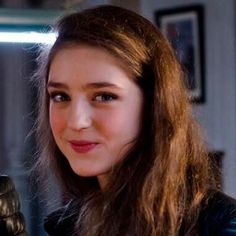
[
  {"x": 52, "y": 84},
  {"x": 90, "y": 85}
]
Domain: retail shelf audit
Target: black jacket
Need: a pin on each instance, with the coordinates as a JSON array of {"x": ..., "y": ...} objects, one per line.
[{"x": 217, "y": 218}]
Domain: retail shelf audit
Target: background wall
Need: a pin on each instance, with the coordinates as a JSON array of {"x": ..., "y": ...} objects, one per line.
[{"x": 218, "y": 114}]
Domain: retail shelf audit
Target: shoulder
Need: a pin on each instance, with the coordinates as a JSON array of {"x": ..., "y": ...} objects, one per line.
[
  {"x": 218, "y": 215},
  {"x": 61, "y": 221}
]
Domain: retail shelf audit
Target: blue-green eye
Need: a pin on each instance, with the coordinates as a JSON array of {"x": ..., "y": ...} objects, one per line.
[
  {"x": 105, "y": 97},
  {"x": 59, "y": 97}
]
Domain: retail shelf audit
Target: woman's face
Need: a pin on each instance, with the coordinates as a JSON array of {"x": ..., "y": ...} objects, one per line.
[{"x": 95, "y": 108}]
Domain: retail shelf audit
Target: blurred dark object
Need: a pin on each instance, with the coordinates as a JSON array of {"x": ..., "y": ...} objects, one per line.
[
  {"x": 35, "y": 3},
  {"x": 216, "y": 158},
  {"x": 11, "y": 219}
]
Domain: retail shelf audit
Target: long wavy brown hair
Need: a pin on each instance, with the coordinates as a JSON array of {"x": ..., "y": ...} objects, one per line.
[{"x": 158, "y": 188}]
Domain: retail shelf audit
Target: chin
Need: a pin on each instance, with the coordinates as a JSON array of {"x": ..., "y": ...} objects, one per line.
[{"x": 89, "y": 172}]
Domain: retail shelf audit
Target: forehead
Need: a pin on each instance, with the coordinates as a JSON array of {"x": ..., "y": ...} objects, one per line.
[
  {"x": 86, "y": 62},
  {"x": 106, "y": 52}
]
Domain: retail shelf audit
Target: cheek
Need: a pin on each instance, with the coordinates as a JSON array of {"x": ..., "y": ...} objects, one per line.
[
  {"x": 119, "y": 123},
  {"x": 102, "y": 123},
  {"x": 57, "y": 121}
]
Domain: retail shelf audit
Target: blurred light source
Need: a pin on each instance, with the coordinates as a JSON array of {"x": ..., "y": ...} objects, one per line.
[{"x": 27, "y": 37}]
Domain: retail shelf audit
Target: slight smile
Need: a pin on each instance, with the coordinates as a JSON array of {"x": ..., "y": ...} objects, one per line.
[{"x": 82, "y": 146}]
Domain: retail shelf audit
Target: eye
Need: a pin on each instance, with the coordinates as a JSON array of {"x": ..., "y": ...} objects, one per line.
[
  {"x": 105, "y": 97},
  {"x": 59, "y": 97}
]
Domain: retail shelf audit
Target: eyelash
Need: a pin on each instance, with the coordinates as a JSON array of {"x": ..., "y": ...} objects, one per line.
[
  {"x": 63, "y": 97},
  {"x": 108, "y": 97},
  {"x": 105, "y": 97}
]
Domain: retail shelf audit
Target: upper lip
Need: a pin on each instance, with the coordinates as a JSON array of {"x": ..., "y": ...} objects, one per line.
[{"x": 81, "y": 142}]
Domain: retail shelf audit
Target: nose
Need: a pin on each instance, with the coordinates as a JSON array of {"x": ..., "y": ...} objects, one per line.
[{"x": 79, "y": 116}]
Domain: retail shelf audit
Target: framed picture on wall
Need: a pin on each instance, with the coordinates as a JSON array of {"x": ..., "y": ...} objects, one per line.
[{"x": 184, "y": 28}]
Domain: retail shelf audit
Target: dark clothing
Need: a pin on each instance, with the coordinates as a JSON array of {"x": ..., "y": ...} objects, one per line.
[
  {"x": 217, "y": 218},
  {"x": 61, "y": 222}
]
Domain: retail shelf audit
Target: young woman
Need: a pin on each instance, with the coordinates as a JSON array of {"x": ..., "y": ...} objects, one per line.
[{"x": 116, "y": 128}]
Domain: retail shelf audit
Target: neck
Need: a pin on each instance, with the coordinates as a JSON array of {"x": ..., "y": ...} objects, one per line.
[{"x": 102, "y": 180}]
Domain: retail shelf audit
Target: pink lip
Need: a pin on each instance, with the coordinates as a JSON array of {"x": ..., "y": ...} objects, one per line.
[{"x": 82, "y": 146}]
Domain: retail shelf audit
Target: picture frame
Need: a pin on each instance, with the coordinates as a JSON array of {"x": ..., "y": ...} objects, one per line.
[{"x": 184, "y": 28}]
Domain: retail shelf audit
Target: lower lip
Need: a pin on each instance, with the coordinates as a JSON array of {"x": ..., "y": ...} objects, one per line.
[{"x": 83, "y": 148}]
